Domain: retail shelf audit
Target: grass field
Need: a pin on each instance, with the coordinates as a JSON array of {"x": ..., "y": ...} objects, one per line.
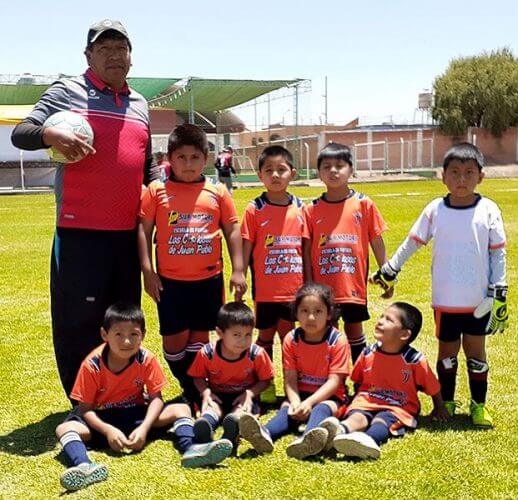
[{"x": 453, "y": 461}]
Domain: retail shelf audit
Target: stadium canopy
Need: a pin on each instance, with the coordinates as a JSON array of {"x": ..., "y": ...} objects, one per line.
[
  {"x": 212, "y": 95},
  {"x": 185, "y": 94}
]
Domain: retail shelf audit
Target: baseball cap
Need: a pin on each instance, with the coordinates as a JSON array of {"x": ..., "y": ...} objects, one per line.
[{"x": 100, "y": 27}]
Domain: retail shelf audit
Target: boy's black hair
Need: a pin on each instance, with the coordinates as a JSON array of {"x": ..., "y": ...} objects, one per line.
[
  {"x": 235, "y": 313},
  {"x": 275, "y": 151},
  {"x": 464, "y": 151},
  {"x": 188, "y": 135},
  {"x": 411, "y": 319},
  {"x": 124, "y": 311},
  {"x": 337, "y": 151},
  {"x": 323, "y": 292}
]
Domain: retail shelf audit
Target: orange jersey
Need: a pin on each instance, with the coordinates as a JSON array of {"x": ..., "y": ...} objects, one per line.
[
  {"x": 315, "y": 362},
  {"x": 231, "y": 376},
  {"x": 96, "y": 384},
  {"x": 391, "y": 381},
  {"x": 188, "y": 218},
  {"x": 340, "y": 233},
  {"x": 276, "y": 234}
]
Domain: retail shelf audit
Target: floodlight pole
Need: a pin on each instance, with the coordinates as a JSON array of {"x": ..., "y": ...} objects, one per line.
[
  {"x": 269, "y": 120},
  {"x": 325, "y": 101},
  {"x": 191, "y": 104},
  {"x": 297, "y": 141}
]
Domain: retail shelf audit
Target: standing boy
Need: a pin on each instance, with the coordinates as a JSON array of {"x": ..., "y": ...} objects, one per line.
[
  {"x": 190, "y": 214},
  {"x": 272, "y": 230},
  {"x": 341, "y": 225},
  {"x": 469, "y": 287}
]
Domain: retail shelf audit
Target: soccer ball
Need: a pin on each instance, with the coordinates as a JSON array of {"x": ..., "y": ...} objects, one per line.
[{"x": 68, "y": 120}]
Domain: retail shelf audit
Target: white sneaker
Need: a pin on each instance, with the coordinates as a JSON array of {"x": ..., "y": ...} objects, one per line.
[
  {"x": 357, "y": 444},
  {"x": 309, "y": 444},
  {"x": 251, "y": 430},
  {"x": 333, "y": 428}
]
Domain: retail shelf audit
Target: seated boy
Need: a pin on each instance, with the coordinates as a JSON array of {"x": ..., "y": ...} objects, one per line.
[
  {"x": 230, "y": 374},
  {"x": 118, "y": 388},
  {"x": 388, "y": 375}
]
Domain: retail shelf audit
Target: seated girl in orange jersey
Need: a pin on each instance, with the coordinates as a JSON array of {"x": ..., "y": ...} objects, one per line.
[
  {"x": 388, "y": 374},
  {"x": 316, "y": 359}
]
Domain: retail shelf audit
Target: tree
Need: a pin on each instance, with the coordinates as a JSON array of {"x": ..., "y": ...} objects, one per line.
[{"x": 479, "y": 91}]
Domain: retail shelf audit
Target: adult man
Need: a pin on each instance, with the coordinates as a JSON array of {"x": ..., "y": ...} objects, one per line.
[{"x": 94, "y": 260}]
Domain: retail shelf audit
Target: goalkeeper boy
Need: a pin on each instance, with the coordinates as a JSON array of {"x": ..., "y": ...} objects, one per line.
[{"x": 468, "y": 274}]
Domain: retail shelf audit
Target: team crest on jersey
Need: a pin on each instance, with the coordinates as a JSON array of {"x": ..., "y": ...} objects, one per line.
[
  {"x": 172, "y": 218},
  {"x": 139, "y": 382},
  {"x": 357, "y": 218},
  {"x": 322, "y": 240},
  {"x": 406, "y": 375},
  {"x": 269, "y": 240}
]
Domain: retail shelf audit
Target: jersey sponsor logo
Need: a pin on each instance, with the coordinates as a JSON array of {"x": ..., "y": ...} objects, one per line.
[
  {"x": 318, "y": 221},
  {"x": 92, "y": 94},
  {"x": 389, "y": 396},
  {"x": 172, "y": 218},
  {"x": 272, "y": 240},
  {"x": 322, "y": 240},
  {"x": 311, "y": 380},
  {"x": 265, "y": 222},
  {"x": 269, "y": 240}
]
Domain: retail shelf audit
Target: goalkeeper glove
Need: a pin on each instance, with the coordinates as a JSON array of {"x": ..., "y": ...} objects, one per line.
[
  {"x": 496, "y": 304},
  {"x": 386, "y": 279}
]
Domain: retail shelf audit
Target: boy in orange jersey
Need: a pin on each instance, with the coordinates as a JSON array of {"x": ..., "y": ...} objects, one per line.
[
  {"x": 118, "y": 390},
  {"x": 190, "y": 214},
  {"x": 341, "y": 225},
  {"x": 388, "y": 375},
  {"x": 230, "y": 374},
  {"x": 272, "y": 230}
]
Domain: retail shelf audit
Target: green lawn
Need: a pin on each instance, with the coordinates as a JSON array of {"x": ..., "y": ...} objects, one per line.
[{"x": 437, "y": 461}]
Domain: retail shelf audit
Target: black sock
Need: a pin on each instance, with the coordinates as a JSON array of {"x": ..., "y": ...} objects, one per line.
[
  {"x": 357, "y": 346},
  {"x": 447, "y": 373}
]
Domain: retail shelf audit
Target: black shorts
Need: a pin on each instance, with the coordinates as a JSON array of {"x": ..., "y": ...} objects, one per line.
[
  {"x": 450, "y": 326},
  {"x": 125, "y": 419},
  {"x": 227, "y": 403},
  {"x": 268, "y": 314},
  {"x": 190, "y": 305},
  {"x": 352, "y": 313}
]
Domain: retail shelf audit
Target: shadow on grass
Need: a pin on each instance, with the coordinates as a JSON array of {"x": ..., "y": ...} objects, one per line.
[
  {"x": 460, "y": 423},
  {"x": 33, "y": 439}
]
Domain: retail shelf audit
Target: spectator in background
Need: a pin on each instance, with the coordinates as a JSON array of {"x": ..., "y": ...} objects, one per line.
[{"x": 224, "y": 167}]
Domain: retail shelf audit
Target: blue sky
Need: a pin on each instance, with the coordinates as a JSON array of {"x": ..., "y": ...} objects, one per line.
[{"x": 377, "y": 56}]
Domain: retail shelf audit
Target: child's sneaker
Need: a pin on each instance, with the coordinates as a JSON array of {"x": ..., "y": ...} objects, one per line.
[
  {"x": 201, "y": 455},
  {"x": 251, "y": 430},
  {"x": 309, "y": 444},
  {"x": 333, "y": 428},
  {"x": 230, "y": 426},
  {"x": 268, "y": 396},
  {"x": 357, "y": 444},
  {"x": 83, "y": 475},
  {"x": 451, "y": 407},
  {"x": 480, "y": 415},
  {"x": 203, "y": 432}
]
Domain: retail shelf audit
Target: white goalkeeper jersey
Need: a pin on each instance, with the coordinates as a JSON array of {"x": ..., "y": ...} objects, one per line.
[{"x": 462, "y": 240}]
